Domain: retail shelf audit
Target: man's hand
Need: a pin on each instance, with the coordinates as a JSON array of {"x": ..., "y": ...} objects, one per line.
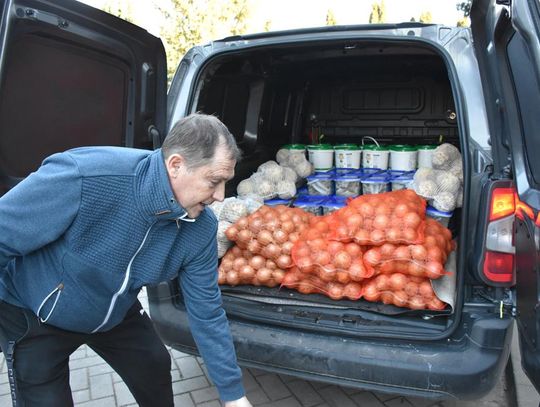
[{"x": 243, "y": 402}]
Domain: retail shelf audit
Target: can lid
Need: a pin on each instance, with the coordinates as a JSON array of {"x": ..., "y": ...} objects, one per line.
[
  {"x": 320, "y": 147},
  {"x": 402, "y": 147},
  {"x": 373, "y": 147},
  {"x": 295, "y": 146},
  {"x": 427, "y": 147},
  {"x": 346, "y": 147}
]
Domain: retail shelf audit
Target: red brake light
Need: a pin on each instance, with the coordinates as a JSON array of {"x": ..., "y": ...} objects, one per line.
[
  {"x": 499, "y": 267},
  {"x": 502, "y": 203}
]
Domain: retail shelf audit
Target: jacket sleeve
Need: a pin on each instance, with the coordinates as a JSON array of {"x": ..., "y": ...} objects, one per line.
[
  {"x": 208, "y": 322},
  {"x": 40, "y": 208}
]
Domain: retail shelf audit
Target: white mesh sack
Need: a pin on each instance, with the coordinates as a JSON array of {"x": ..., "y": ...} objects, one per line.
[
  {"x": 233, "y": 209},
  {"x": 223, "y": 244},
  {"x": 286, "y": 189},
  {"x": 271, "y": 170},
  {"x": 444, "y": 156},
  {"x": 282, "y": 156}
]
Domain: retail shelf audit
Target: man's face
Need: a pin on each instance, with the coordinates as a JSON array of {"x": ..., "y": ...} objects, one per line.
[{"x": 198, "y": 187}]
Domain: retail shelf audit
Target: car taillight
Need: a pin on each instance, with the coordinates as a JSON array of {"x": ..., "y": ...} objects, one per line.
[{"x": 498, "y": 265}]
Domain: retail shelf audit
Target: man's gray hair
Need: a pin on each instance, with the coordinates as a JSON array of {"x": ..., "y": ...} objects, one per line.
[{"x": 195, "y": 138}]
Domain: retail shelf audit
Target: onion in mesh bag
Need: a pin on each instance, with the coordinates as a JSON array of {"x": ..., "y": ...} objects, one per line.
[
  {"x": 445, "y": 201},
  {"x": 447, "y": 182},
  {"x": 444, "y": 155},
  {"x": 426, "y": 188},
  {"x": 233, "y": 209},
  {"x": 457, "y": 169},
  {"x": 265, "y": 189},
  {"x": 216, "y": 207},
  {"x": 423, "y": 174},
  {"x": 289, "y": 174},
  {"x": 245, "y": 187},
  {"x": 223, "y": 243},
  {"x": 295, "y": 159},
  {"x": 303, "y": 169},
  {"x": 286, "y": 189},
  {"x": 271, "y": 172},
  {"x": 282, "y": 156}
]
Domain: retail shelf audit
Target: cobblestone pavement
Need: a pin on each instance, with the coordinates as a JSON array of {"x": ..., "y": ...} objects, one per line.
[{"x": 95, "y": 384}]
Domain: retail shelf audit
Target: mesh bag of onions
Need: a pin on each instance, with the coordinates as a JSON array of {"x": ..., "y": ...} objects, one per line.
[
  {"x": 403, "y": 291},
  {"x": 331, "y": 261},
  {"x": 268, "y": 234},
  {"x": 310, "y": 283},
  {"x": 390, "y": 217},
  {"x": 421, "y": 260}
]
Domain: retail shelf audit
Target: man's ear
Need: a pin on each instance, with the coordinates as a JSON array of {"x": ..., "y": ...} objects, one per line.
[{"x": 174, "y": 164}]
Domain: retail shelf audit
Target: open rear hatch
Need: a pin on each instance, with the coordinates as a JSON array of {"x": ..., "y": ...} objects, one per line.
[{"x": 399, "y": 91}]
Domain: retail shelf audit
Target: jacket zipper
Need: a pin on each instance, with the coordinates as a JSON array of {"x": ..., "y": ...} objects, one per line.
[
  {"x": 58, "y": 290},
  {"x": 124, "y": 283}
]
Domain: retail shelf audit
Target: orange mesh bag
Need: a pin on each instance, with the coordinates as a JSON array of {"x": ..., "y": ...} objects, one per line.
[
  {"x": 390, "y": 217},
  {"x": 329, "y": 260},
  {"x": 425, "y": 260},
  {"x": 270, "y": 232},
  {"x": 402, "y": 291},
  {"x": 307, "y": 283},
  {"x": 240, "y": 267}
]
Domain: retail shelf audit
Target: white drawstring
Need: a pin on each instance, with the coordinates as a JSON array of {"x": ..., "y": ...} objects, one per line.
[{"x": 183, "y": 217}]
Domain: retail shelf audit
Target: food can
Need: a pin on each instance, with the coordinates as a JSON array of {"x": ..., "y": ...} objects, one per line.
[
  {"x": 375, "y": 156},
  {"x": 347, "y": 156},
  {"x": 321, "y": 156},
  {"x": 403, "y": 157}
]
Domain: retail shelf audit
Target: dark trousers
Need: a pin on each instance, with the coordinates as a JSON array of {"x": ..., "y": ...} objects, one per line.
[{"x": 41, "y": 357}]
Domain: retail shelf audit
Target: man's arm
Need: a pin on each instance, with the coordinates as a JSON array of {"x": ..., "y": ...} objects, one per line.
[
  {"x": 208, "y": 322},
  {"x": 40, "y": 208}
]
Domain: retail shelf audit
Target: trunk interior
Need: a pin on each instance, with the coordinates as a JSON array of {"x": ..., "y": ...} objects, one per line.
[{"x": 397, "y": 92}]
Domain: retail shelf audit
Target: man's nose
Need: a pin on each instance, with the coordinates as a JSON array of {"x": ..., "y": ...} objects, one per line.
[{"x": 219, "y": 193}]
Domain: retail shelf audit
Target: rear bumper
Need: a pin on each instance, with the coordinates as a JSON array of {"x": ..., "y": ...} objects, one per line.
[{"x": 466, "y": 365}]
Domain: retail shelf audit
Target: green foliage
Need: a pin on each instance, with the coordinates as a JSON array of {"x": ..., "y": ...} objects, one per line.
[
  {"x": 119, "y": 8},
  {"x": 463, "y": 22},
  {"x": 192, "y": 22},
  {"x": 330, "y": 18},
  {"x": 426, "y": 17},
  {"x": 378, "y": 13}
]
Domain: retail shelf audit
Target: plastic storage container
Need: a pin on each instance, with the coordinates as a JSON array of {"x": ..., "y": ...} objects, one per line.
[
  {"x": 321, "y": 156},
  {"x": 278, "y": 201},
  {"x": 347, "y": 156},
  {"x": 442, "y": 217},
  {"x": 348, "y": 184},
  {"x": 333, "y": 203},
  {"x": 321, "y": 183},
  {"x": 401, "y": 180},
  {"x": 375, "y": 156},
  {"x": 310, "y": 203},
  {"x": 403, "y": 157},
  {"x": 376, "y": 183},
  {"x": 424, "y": 156}
]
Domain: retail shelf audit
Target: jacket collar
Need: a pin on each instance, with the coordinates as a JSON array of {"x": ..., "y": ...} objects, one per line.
[{"x": 153, "y": 190}]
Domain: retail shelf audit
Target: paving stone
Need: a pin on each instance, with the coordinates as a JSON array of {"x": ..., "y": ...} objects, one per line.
[
  {"x": 304, "y": 392},
  {"x": 273, "y": 386},
  {"x": 249, "y": 381},
  {"x": 81, "y": 396},
  {"x": 188, "y": 367},
  {"x": 257, "y": 396},
  {"x": 101, "y": 386},
  {"x": 177, "y": 354},
  {"x": 183, "y": 400},
  {"x": 78, "y": 379},
  {"x": 336, "y": 397},
  {"x": 123, "y": 395},
  {"x": 288, "y": 402},
  {"x": 79, "y": 353},
  {"x": 175, "y": 375},
  {"x": 106, "y": 402},
  {"x": 209, "y": 404},
  {"x": 366, "y": 399},
  {"x": 257, "y": 372},
  {"x": 203, "y": 395},
  {"x": 398, "y": 402},
  {"x": 5, "y": 400},
  {"x": 100, "y": 369},
  {"x": 4, "y": 389},
  {"x": 195, "y": 383}
]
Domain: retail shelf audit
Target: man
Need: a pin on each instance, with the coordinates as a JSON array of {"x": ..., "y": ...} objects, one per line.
[{"x": 81, "y": 236}]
